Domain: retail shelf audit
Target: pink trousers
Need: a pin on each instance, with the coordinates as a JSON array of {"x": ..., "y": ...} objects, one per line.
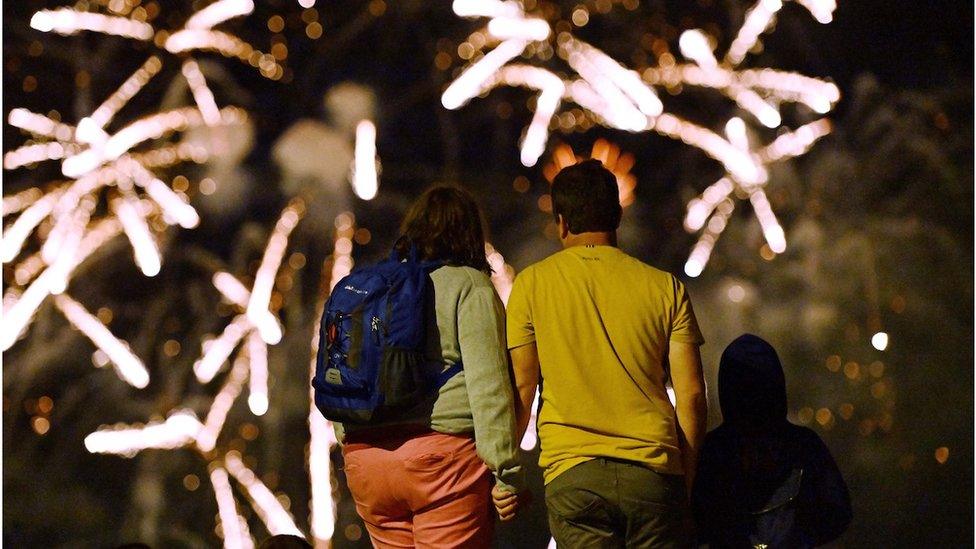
[{"x": 426, "y": 490}]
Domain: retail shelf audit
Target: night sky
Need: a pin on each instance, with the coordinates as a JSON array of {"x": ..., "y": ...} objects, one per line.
[{"x": 897, "y": 174}]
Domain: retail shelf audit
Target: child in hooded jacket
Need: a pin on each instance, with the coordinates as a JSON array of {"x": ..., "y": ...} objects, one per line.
[{"x": 762, "y": 481}]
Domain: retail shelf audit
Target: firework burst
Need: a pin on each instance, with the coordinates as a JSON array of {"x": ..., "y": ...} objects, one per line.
[{"x": 624, "y": 99}]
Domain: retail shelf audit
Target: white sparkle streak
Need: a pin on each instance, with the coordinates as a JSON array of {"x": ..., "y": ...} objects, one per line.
[
  {"x": 757, "y": 106},
  {"x": 216, "y": 352},
  {"x": 581, "y": 93},
  {"x": 30, "y": 154},
  {"x": 771, "y": 228},
  {"x": 214, "y": 422},
  {"x": 627, "y": 80},
  {"x": 257, "y": 306},
  {"x": 706, "y": 242},
  {"x": 40, "y": 125},
  {"x": 257, "y": 351},
  {"x": 364, "y": 180},
  {"x": 232, "y": 289},
  {"x": 18, "y": 316},
  {"x": 818, "y": 94},
  {"x": 107, "y": 110},
  {"x": 230, "y": 521},
  {"x": 620, "y": 112},
  {"x": 71, "y": 200},
  {"x": 201, "y": 93},
  {"x": 15, "y": 235},
  {"x": 26, "y": 270},
  {"x": 218, "y": 12},
  {"x": 17, "y": 202},
  {"x": 757, "y": 20},
  {"x": 552, "y": 88},
  {"x": 735, "y": 130},
  {"x": 177, "y": 431},
  {"x": 172, "y": 204},
  {"x": 694, "y": 45},
  {"x": 487, "y": 8},
  {"x": 268, "y": 508},
  {"x": 64, "y": 261},
  {"x": 700, "y": 208},
  {"x": 129, "y": 211},
  {"x": 472, "y": 80},
  {"x": 319, "y": 458},
  {"x": 822, "y": 10},
  {"x": 738, "y": 163},
  {"x": 505, "y": 28},
  {"x": 68, "y": 21},
  {"x": 149, "y": 127},
  {"x": 225, "y": 44},
  {"x": 796, "y": 142},
  {"x": 127, "y": 364}
]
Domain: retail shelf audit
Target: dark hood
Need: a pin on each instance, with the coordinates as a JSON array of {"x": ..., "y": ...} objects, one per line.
[{"x": 751, "y": 384}]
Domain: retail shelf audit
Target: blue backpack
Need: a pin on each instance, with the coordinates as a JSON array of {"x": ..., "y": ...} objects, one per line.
[{"x": 372, "y": 358}]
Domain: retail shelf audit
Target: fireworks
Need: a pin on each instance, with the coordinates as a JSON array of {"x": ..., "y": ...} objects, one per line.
[
  {"x": 364, "y": 181},
  {"x": 611, "y": 158},
  {"x": 97, "y": 160},
  {"x": 624, "y": 99},
  {"x": 118, "y": 165}
]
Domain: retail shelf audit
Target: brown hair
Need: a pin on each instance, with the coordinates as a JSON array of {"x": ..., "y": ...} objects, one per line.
[{"x": 445, "y": 224}]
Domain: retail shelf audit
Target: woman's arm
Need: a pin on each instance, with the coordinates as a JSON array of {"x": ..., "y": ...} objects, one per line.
[{"x": 481, "y": 336}]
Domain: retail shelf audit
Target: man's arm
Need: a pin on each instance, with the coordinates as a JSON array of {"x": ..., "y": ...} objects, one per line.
[
  {"x": 525, "y": 376},
  {"x": 689, "y": 393}
]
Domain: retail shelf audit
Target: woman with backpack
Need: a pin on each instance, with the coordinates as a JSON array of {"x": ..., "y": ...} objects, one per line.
[
  {"x": 421, "y": 472},
  {"x": 762, "y": 481}
]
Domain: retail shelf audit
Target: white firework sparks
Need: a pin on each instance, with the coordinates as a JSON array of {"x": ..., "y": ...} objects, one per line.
[
  {"x": 623, "y": 99},
  {"x": 97, "y": 161}
]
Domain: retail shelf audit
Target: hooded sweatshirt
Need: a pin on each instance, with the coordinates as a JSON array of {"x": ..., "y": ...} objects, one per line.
[{"x": 763, "y": 481}]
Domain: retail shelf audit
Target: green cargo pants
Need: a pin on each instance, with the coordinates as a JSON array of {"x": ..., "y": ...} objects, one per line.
[{"x": 610, "y": 503}]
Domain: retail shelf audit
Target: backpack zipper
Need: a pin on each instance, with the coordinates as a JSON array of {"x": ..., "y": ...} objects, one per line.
[{"x": 374, "y": 326}]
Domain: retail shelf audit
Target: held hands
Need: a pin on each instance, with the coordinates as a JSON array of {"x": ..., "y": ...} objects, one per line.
[{"x": 507, "y": 503}]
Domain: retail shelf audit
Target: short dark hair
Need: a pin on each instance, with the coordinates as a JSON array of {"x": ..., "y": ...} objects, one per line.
[
  {"x": 445, "y": 224},
  {"x": 587, "y": 197}
]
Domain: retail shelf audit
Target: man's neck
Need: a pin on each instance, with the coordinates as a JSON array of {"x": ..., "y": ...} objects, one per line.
[{"x": 591, "y": 239}]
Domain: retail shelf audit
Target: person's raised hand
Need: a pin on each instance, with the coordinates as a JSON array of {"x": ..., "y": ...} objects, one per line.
[{"x": 505, "y": 502}]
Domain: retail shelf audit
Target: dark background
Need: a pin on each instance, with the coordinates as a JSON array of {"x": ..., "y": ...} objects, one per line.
[{"x": 879, "y": 218}]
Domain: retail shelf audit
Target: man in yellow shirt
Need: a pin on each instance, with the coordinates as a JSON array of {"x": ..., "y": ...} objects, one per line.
[{"x": 606, "y": 333}]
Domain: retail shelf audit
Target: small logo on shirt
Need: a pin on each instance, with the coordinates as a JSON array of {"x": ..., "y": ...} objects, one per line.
[{"x": 355, "y": 290}]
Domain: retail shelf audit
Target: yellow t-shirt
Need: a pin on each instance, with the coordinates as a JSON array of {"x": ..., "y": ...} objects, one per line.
[{"x": 601, "y": 321}]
